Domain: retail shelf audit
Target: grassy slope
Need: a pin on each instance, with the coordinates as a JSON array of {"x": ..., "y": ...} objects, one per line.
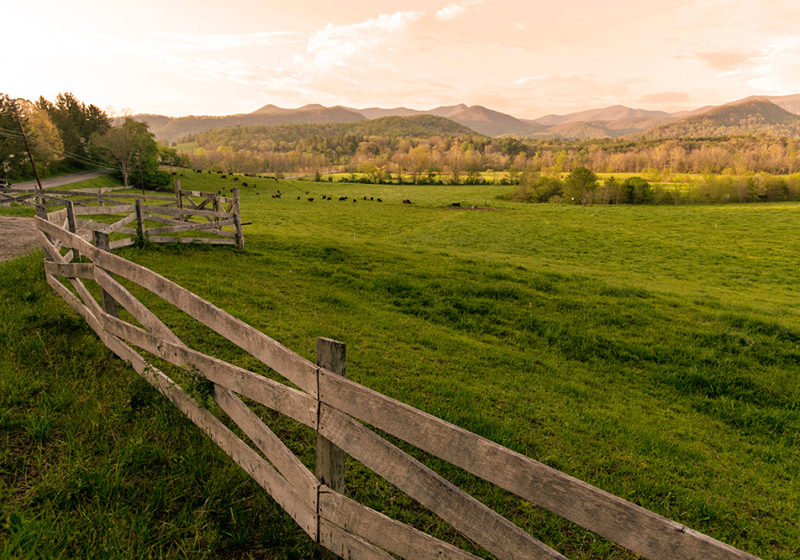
[{"x": 652, "y": 351}]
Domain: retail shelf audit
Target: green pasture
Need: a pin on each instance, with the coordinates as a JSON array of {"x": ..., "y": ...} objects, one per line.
[{"x": 653, "y": 351}]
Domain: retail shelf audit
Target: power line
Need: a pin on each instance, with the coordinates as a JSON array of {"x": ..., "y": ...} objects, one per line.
[
  {"x": 78, "y": 157},
  {"x": 28, "y": 149}
]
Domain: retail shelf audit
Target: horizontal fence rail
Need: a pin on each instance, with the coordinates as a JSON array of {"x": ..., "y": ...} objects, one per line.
[
  {"x": 339, "y": 410},
  {"x": 157, "y": 218}
]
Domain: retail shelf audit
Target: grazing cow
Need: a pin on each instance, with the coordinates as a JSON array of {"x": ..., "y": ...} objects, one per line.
[
  {"x": 236, "y": 178},
  {"x": 298, "y": 198},
  {"x": 244, "y": 184},
  {"x": 406, "y": 201},
  {"x": 379, "y": 200},
  {"x": 224, "y": 177},
  {"x": 354, "y": 201},
  {"x": 371, "y": 198},
  {"x": 342, "y": 198},
  {"x": 310, "y": 199}
]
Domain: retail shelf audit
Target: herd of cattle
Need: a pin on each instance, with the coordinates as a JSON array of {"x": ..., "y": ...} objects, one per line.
[{"x": 279, "y": 194}]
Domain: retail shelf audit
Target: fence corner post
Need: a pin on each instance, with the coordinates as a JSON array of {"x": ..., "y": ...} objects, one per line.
[
  {"x": 109, "y": 303},
  {"x": 237, "y": 221}
]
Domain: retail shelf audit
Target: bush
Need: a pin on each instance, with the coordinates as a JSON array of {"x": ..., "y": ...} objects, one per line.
[
  {"x": 636, "y": 190},
  {"x": 534, "y": 188}
]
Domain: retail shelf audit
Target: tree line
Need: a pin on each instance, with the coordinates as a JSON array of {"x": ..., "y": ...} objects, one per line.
[
  {"x": 582, "y": 186},
  {"x": 462, "y": 158},
  {"x": 67, "y": 135}
]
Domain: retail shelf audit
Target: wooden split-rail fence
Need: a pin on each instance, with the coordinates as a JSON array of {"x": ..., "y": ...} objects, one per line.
[
  {"x": 158, "y": 218},
  {"x": 340, "y": 410}
]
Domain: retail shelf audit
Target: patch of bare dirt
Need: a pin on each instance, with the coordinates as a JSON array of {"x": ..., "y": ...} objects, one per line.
[{"x": 17, "y": 237}]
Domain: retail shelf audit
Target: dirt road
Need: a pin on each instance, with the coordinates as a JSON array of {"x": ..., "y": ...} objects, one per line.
[
  {"x": 61, "y": 181},
  {"x": 18, "y": 235}
]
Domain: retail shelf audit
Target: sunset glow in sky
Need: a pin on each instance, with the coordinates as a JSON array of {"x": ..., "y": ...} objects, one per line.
[{"x": 527, "y": 58}]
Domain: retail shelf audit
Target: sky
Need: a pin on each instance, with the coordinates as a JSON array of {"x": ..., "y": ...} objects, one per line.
[{"x": 527, "y": 58}]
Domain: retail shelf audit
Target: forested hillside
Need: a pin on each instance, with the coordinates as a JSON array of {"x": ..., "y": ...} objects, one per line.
[
  {"x": 422, "y": 147},
  {"x": 748, "y": 117}
]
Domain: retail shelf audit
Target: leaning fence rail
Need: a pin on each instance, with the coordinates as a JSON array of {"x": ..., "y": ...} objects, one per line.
[{"x": 337, "y": 409}]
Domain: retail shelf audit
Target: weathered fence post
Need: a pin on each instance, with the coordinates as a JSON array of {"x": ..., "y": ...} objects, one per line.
[
  {"x": 139, "y": 220},
  {"x": 215, "y": 202},
  {"x": 71, "y": 223},
  {"x": 41, "y": 212},
  {"x": 177, "y": 185},
  {"x": 237, "y": 221},
  {"x": 330, "y": 459},
  {"x": 109, "y": 303}
]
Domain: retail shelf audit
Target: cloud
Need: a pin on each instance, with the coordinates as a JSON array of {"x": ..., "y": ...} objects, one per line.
[
  {"x": 777, "y": 70},
  {"x": 333, "y": 44},
  {"x": 456, "y": 9},
  {"x": 725, "y": 61},
  {"x": 525, "y": 80}
]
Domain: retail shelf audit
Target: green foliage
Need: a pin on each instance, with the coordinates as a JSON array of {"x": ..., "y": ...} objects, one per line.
[
  {"x": 636, "y": 190},
  {"x": 170, "y": 157},
  {"x": 76, "y": 123},
  {"x": 133, "y": 152},
  {"x": 13, "y": 159},
  {"x": 537, "y": 188},
  {"x": 58, "y": 134},
  {"x": 579, "y": 186}
]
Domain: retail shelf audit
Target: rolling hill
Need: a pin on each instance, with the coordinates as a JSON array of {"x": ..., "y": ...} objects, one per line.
[
  {"x": 480, "y": 119},
  {"x": 172, "y": 129},
  {"x": 613, "y": 113},
  {"x": 415, "y": 126},
  {"x": 773, "y": 114},
  {"x": 747, "y": 117},
  {"x": 492, "y": 123}
]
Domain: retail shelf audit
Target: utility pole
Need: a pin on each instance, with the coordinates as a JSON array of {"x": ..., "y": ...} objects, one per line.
[
  {"x": 141, "y": 180},
  {"x": 28, "y": 148}
]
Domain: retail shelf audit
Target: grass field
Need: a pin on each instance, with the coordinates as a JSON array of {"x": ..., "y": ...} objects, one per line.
[{"x": 651, "y": 351}]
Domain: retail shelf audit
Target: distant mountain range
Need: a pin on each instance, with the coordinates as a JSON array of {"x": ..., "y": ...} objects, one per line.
[{"x": 757, "y": 114}]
